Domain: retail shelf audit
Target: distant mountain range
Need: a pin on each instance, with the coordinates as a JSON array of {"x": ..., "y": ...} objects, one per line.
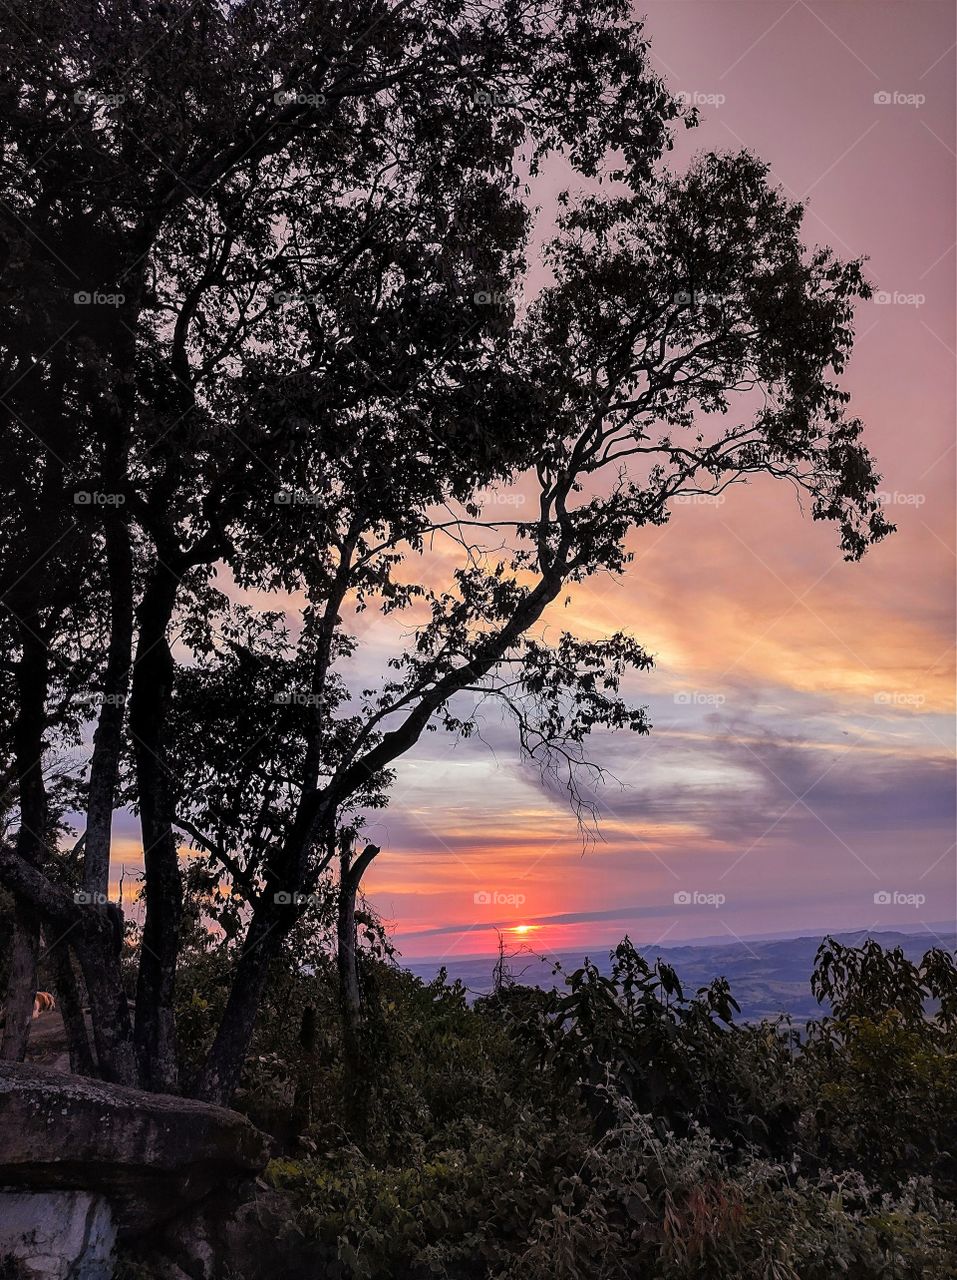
[{"x": 768, "y": 976}]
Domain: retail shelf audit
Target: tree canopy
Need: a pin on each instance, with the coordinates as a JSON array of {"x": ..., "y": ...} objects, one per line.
[{"x": 262, "y": 364}]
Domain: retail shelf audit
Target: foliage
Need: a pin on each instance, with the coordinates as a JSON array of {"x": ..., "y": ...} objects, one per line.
[
  {"x": 671, "y": 1054},
  {"x": 881, "y": 1081},
  {"x": 618, "y": 1128},
  {"x": 265, "y": 370},
  {"x": 674, "y": 1208}
]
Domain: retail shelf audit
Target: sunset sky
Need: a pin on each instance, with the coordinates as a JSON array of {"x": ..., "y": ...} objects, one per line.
[
  {"x": 800, "y": 770},
  {"x": 802, "y": 754}
]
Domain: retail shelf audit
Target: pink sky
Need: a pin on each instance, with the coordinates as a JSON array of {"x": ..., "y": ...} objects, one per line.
[
  {"x": 807, "y": 764},
  {"x": 800, "y": 771}
]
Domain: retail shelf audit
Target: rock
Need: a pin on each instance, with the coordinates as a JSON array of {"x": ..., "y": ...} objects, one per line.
[
  {"x": 254, "y": 1243},
  {"x": 244, "y": 1242},
  {"x": 57, "y": 1235},
  {"x": 47, "y": 1045},
  {"x": 151, "y": 1155}
]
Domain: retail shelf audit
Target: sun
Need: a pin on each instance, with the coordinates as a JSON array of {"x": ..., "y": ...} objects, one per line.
[{"x": 524, "y": 928}]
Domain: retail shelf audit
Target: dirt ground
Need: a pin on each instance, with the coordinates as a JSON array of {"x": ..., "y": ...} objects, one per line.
[{"x": 47, "y": 1046}]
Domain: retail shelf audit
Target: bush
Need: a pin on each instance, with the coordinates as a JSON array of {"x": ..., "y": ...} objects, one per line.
[
  {"x": 618, "y": 1127},
  {"x": 673, "y": 1208}
]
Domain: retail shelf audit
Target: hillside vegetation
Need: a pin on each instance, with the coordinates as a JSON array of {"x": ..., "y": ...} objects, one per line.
[{"x": 615, "y": 1127}]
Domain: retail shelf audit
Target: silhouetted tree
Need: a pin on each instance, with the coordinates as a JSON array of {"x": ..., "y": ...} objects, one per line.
[{"x": 259, "y": 344}]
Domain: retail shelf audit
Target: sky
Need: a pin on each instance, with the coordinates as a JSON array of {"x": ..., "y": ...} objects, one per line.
[
  {"x": 800, "y": 773},
  {"x": 800, "y": 770}
]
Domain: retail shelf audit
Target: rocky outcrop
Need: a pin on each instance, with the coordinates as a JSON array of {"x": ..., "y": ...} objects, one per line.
[
  {"x": 245, "y": 1242},
  {"x": 150, "y": 1156},
  {"x": 56, "y": 1235}
]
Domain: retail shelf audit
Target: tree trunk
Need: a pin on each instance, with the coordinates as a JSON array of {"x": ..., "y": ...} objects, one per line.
[
  {"x": 305, "y": 1073},
  {"x": 96, "y": 940},
  {"x": 105, "y": 761},
  {"x": 32, "y": 677},
  {"x": 109, "y": 1011},
  {"x": 21, "y": 984},
  {"x": 71, "y": 1007},
  {"x": 273, "y": 916},
  {"x": 270, "y": 924},
  {"x": 155, "y": 1031},
  {"x": 350, "y": 874},
  {"x": 349, "y": 997},
  {"x": 224, "y": 1063},
  {"x": 119, "y": 412}
]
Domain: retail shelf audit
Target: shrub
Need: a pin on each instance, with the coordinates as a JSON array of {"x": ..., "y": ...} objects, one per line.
[{"x": 619, "y": 1128}]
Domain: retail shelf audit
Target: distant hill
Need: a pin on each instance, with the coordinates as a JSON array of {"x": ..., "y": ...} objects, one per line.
[{"x": 767, "y": 976}]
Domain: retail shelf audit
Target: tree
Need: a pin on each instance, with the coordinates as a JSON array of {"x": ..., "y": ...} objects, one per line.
[{"x": 259, "y": 341}]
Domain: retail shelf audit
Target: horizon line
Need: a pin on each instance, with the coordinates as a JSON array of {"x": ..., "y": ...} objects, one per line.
[{"x": 789, "y": 935}]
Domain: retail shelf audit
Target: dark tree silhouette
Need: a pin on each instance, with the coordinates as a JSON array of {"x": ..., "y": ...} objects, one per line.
[{"x": 259, "y": 342}]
